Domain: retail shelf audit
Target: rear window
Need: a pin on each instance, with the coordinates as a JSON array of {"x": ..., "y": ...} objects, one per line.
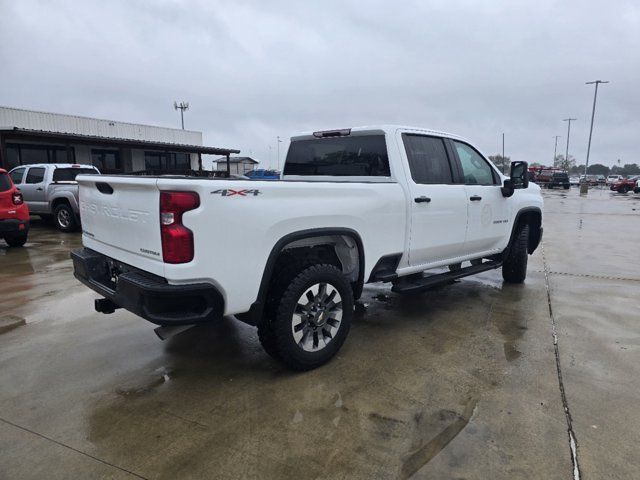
[
  {"x": 5, "y": 182},
  {"x": 357, "y": 156},
  {"x": 70, "y": 174}
]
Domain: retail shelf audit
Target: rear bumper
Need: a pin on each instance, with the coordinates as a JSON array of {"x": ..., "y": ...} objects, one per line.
[
  {"x": 145, "y": 294},
  {"x": 12, "y": 226}
]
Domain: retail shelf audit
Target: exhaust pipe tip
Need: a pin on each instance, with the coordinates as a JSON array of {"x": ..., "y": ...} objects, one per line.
[{"x": 165, "y": 332}]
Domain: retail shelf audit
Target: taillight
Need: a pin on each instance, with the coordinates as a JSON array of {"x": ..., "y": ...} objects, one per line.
[
  {"x": 17, "y": 198},
  {"x": 177, "y": 240}
]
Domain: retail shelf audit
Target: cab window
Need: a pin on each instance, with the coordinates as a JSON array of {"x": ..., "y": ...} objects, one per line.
[
  {"x": 428, "y": 160},
  {"x": 35, "y": 175},
  {"x": 475, "y": 168}
]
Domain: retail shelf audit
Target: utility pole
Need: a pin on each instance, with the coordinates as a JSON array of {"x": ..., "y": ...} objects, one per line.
[
  {"x": 593, "y": 114},
  {"x": 182, "y": 106},
  {"x": 566, "y": 157},
  {"x": 555, "y": 149}
]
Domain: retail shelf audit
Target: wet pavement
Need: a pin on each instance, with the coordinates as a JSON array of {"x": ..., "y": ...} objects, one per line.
[{"x": 460, "y": 382}]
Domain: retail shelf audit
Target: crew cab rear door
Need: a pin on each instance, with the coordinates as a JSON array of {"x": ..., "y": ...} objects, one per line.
[
  {"x": 438, "y": 205},
  {"x": 488, "y": 210}
]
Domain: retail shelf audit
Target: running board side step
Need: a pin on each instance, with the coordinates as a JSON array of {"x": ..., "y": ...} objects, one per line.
[{"x": 417, "y": 285}]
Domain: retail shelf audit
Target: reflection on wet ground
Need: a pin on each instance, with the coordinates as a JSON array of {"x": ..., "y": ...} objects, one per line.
[{"x": 458, "y": 382}]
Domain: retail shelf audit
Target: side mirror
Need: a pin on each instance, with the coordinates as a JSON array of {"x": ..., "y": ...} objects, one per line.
[{"x": 519, "y": 174}]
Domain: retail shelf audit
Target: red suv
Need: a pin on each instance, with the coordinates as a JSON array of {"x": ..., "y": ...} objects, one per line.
[{"x": 14, "y": 213}]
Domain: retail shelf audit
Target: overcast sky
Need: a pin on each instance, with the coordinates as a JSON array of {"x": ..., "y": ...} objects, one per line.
[{"x": 253, "y": 70}]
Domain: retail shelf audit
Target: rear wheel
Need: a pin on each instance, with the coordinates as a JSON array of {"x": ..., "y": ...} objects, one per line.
[
  {"x": 624, "y": 189},
  {"x": 514, "y": 268},
  {"x": 65, "y": 218},
  {"x": 17, "y": 240},
  {"x": 312, "y": 318}
]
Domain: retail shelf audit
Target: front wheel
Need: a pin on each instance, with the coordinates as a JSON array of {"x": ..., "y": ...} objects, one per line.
[
  {"x": 65, "y": 218},
  {"x": 16, "y": 240},
  {"x": 312, "y": 319},
  {"x": 514, "y": 268}
]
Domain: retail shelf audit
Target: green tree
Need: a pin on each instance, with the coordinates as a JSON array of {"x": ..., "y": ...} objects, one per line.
[
  {"x": 503, "y": 163},
  {"x": 565, "y": 164},
  {"x": 598, "y": 169},
  {"x": 631, "y": 169}
]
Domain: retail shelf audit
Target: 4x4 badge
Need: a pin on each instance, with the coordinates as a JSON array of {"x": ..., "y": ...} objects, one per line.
[{"x": 228, "y": 192}]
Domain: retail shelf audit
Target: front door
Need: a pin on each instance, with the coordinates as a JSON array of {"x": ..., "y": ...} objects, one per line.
[
  {"x": 489, "y": 211},
  {"x": 438, "y": 206},
  {"x": 33, "y": 190}
]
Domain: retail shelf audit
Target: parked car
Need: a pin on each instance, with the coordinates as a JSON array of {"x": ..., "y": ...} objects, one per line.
[
  {"x": 611, "y": 179},
  {"x": 368, "y": 204},
  {"x": 594, "y": 180},
  {"x": 636, "y": 189},
  {"x": 51, "y": 190},
  {"x": 14, "y": 213},
  {"x": 574, "y": 180},
  {"x": 559, "y": 179},
  {"x": 261, "y": 174},
  {"x": 625, "y": 185}
]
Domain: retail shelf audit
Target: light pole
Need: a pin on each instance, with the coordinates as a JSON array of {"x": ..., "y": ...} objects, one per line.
[
  {"x": 504, "y": 160},
  {"x": 566, "y": 157},
  {"x": 182, "y": 106},
  {"x": 593, "y": 114},
  {"x": 278, "y": 160},
  {"x": 555, "y": 149}
]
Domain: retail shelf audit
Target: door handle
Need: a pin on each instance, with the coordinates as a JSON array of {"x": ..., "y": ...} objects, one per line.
[
  {"x": 475, "y": 198},
  {"x": 39, "y": 189},
  {"x": 422, "y": 199}
]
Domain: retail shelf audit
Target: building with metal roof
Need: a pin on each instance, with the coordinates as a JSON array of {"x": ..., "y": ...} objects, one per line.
[{"x": 28, "y": 137}]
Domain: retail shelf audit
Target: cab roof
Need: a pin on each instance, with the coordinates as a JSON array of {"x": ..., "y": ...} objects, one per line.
[{"x": 386, "y": 129}]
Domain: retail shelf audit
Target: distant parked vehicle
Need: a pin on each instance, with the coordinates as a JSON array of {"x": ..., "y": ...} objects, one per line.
[
  {"x": 594, "y": 180},
  {"x": 625, "y": 185},
  {"x": 50, "y": 189},
  {"x": 559, "y": 179},
  {"x": 550, "y": 177},
  {"x": 14, "y": 213},
  {"x": 636, "y": 189},
  {"x": 574, "y": 181},
  {"x": 261, "y": 174},
  {"x": 611, "y": 179}
]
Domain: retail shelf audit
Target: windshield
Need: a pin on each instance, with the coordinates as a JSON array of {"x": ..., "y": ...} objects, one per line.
[{"x": 70, "y": 174}]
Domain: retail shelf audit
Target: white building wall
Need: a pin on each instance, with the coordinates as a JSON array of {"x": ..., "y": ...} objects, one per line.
[{"x": 54, "y": 122}]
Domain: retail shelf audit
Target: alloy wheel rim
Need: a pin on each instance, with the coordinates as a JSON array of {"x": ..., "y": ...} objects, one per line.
[
  {"x": 317, "y": 317},
  {"x": 64, "y": 218}
]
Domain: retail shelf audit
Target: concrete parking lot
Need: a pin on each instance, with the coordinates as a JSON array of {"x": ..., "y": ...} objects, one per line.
[{"x": 462, "y": 382}]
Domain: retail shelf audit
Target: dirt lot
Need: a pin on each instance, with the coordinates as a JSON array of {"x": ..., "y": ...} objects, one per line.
[{"x": 462, "y": 382}]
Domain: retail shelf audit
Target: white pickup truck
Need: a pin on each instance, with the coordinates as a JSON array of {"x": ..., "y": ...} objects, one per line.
[{"x": 410, "y": 206}]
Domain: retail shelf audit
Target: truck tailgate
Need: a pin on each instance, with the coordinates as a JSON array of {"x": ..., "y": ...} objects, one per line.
[{"x": 120, "y": 219}]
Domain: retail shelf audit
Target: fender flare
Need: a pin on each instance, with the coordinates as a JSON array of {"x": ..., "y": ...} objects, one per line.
[
  {"x": 254, "y": 314},
  {"x": 537, "y": 236}
]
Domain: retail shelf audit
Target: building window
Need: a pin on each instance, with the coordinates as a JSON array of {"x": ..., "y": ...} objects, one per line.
[
  {"x": 28, "y": 154},
  {"x": 167, "y": 161},
  {"x": 107, "y": 161}
]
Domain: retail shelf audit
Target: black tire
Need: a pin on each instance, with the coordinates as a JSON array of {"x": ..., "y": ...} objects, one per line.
[
  {"x": 567, "y": 187},
  {"x": 624, "y": 189},
  {"x": 514, "y": 268},
  {"x": 276, "y": 333},
  {"x": 17, "y": 240},
  {"x": 64, "y": 218}
]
